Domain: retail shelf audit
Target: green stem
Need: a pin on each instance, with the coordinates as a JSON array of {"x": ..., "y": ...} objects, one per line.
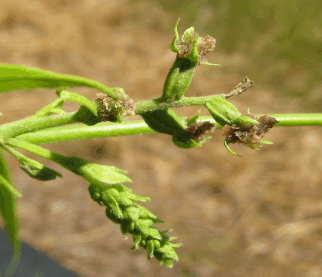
[
  {"x": 139, "y": 127},
  {"x": 298, "y": 119},
  {"x": 101, "y": 130},
  {"x": 33, "y": 124},
  {"x": 161, "y": 104}
]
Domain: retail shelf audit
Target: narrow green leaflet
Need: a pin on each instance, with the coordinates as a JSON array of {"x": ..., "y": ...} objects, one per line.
[
  {"x": 8, "y": 208},
  {"x": 14, "y": 77}
]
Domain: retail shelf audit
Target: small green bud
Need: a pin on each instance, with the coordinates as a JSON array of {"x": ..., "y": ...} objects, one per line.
[
  {"x": 113, "y": 216},
  {"x": 153, "y": 233},
  {"x": 131, "y": 213},
  {"x": 137, "y": 238},
  {"x": 144, "y": 223},
  {"x": 145, "y": 213},
  {"x": 157, "y": 243},
  {"x": 95, "y": 194},
  {"x": 111, "y": 203},
  {"x": 119, "y": 197},
  {"x": 150, "y": 249},
  {"x": 168, "y": 262},
  {"x": 127, "y": 227}
]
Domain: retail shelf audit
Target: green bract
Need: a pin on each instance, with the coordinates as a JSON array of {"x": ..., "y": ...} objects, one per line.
[
  {"x": 168, "y": 122},
  {"x": 179, "y": 79},
  {"x": 165, "y": 121},
  {"x": 225, "y": 112}
]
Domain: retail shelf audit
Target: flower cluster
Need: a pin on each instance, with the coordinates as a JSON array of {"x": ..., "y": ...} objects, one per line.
[{"x": 136, "y": 220}]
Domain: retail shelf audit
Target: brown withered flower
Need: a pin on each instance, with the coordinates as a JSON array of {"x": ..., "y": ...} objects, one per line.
[{"x": 250, "y": 135}]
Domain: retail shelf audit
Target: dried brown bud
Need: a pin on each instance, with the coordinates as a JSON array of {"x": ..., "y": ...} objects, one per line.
[{"x": 244, "y": 85}]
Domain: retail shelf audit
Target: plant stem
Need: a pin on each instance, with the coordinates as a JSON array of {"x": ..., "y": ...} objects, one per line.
[
  {"x": 35, "y": 149},
  {"x": 298, "y": 119},
  {"x": 101, "y": 130},
  {"x": 32, "y": 124},
  {"x": 161, "y": 104},
  {"x": 139, "y": 127}
]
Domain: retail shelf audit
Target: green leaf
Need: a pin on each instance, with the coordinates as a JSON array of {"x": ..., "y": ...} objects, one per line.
[
  {"x": 14, "y": 77},
  {"x": 8, "y": 209},
  {"x": 94, "y": 172}
]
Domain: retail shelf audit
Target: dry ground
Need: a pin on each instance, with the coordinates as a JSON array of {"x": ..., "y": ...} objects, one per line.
[{"x": 259, "y": 215}]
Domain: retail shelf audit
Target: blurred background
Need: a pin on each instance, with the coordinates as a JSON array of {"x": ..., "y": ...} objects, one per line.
[{"x": 259, "y": 215}]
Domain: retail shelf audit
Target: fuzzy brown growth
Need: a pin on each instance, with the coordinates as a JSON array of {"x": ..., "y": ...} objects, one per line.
[
  {"x": 108, "y": 108},
  {"x": 205, "y": 45},
  {"x": 250, "y": 135},
  {"x": 185, "y": 47},
  {"x": 199, "y": 130}
]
